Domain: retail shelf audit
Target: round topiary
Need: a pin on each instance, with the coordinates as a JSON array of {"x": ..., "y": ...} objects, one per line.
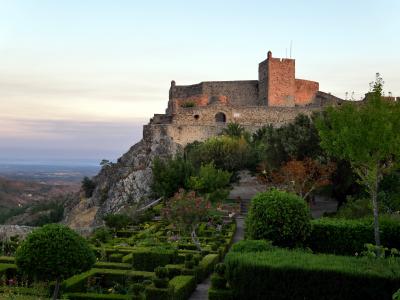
[
  {"x": 280, "y": 217},
  {"x": 54, "y": 252}
]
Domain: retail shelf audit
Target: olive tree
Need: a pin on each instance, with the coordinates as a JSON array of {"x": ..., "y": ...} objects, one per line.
[
  {"x": 54, "y": 252},
  {"x": 368, "y": 136}
]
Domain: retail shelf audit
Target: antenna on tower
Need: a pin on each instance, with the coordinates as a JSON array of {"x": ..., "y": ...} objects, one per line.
[
  {"x": 286, "y": 53},
  {"x": 291, "y": 43}
]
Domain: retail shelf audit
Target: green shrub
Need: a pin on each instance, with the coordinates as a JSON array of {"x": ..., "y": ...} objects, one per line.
[
  {"x": 170, "y": 175},
  {"x": 207, "y": 264},
  {"x": 149, "y": 259},
  {"x": 161, "y": 272},
  {"x": 209, "y": 179},
  {"x": 280, "y": 217},
  {"x": 160, "y": 283},
  {"x": 116, "y": 257},
  {"x": 347, "y": 237},
  {"x": 117, "y": 221},
  {"x": 77, "y": 282},
  {"x": 102, "y": 235},
  {"x": 218, "y": 282},
  {"x": 288, "y": 274},
  {"x": 94, "y": 296},
  {"x": 7, "y": 260},
  {"x": 227, "y": 153},
  {"x": 174, "y": 270},
  {"x": 355, "y": 208},
  {"x": 154, "y": 293},
  {"x": 183, "y": 287},
  {"x": 214, "y": 294},
  {"x": 188, "y": 104},
  {"x": 54, "y": 252},
  {"x": 251, "y": 246},
  {"x": 110, "y": 276},
  {"x": 220, "y": 269},
  {"x": 112, "y": 265},
  {"x": 88, "y": 186}
]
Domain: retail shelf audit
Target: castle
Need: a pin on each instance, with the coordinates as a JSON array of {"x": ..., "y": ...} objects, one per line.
[{"x": 199, "y": 111}]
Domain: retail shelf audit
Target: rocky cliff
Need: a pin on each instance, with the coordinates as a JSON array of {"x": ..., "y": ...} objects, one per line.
[{"x": 125, "y": 183}]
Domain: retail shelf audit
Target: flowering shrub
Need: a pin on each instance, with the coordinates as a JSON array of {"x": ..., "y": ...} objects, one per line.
[{"x": 187, "y": 211}]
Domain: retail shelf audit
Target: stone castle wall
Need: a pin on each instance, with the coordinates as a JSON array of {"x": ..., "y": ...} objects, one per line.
[
  {"x": 205, "y": 93},
  {"x": 306, "y": 91},
  {"x": 281, "y": 82},
  {"x": 199, "y": 123}
]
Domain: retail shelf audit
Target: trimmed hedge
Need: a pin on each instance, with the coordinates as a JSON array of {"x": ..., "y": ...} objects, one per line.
[
  {"x": 149, "y": 259},
  {"x": 252, "y": 246},
  {"x": 153, "y": 293},
  {"x": 112, "y": 265},
  {"x": 7, "y": 260},
  {"x": 285, "y": 274},
  {"x": 207, "y": 265},
  {"x": 116, "y": 257},
  {"x": 94, "y": 296},
  {"x": 174, "y": 269},
  {"x": 214, "y": 294},
  {"x": 183, "y": 286},
  {"x": 77, "y": 283},
  {"x": 24, "y": 291},
  {"x": 346, "y": 237}
]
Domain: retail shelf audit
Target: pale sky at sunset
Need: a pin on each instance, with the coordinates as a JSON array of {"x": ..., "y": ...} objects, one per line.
[{"x": 79, "y": 78}]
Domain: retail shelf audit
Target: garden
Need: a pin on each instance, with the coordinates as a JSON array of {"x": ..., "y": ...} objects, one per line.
[{"x": 150, "y": 260}]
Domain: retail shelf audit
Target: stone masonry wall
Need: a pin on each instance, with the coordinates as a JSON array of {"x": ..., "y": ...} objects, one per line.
[
  {"x": 281, "y": 82},
  {"x": 199, "y": 123},
  {"x": 306, "y": 91},
  {"x": 263, "y": 83},
  {"x": 205, "y": 93}
]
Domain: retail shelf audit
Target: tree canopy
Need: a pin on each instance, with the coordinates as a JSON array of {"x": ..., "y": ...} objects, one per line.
[
  {"x": 368, "y": 136},
  {"x": 54, "y": 252}
]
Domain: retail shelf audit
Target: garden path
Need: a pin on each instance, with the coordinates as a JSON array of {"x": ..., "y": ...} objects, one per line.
[{"x": 201, "y": 292}]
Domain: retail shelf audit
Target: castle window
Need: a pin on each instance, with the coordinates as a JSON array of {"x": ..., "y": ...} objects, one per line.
[
  {"x": 220, "y": 117},
  {"x": 196, "y": 117}
]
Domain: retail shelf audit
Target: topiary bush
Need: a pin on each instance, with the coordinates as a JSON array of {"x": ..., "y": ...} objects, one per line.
[
  {"x": 54, "y": 252},
  {"x": 280, "y": 217}
]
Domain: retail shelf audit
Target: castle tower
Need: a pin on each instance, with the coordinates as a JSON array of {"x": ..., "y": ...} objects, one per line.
[{"x": 277, "y": 83}]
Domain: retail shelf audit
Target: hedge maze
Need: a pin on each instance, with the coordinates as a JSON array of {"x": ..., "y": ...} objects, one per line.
[{"x": 148, "y": 261}]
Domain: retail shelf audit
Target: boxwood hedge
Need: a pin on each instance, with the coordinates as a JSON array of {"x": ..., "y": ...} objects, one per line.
[
  {"x": 347, "y": 237},
  {"x": 285, "y": 274}
]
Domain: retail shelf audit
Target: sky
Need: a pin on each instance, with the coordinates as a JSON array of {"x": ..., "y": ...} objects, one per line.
[{"x": 78, "y": 79}]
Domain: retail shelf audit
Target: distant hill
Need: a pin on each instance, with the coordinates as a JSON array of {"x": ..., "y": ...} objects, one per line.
[{"x": 16, "y": 193}]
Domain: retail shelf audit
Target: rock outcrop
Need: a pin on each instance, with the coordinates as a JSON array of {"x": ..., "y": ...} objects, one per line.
[{"x": 125, "y": 183}]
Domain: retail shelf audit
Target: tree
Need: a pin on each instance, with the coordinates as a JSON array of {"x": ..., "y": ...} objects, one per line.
[
  {"x": 233, "y": 130},
  {"x": 187, "y": 211},
  {"x": 209, "y": 179},
  {"x": 227, "y": 153},
  {"x": 294, "y": 141},
  {"x": 368, "y": 136},
  {"x": 88, "y": 186},
  {"x": 117, "y": 221},
  {"x": 54, "y": 252},
  {"x": 303, "y": 177},
  {"x": 170, "y": 175}
]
